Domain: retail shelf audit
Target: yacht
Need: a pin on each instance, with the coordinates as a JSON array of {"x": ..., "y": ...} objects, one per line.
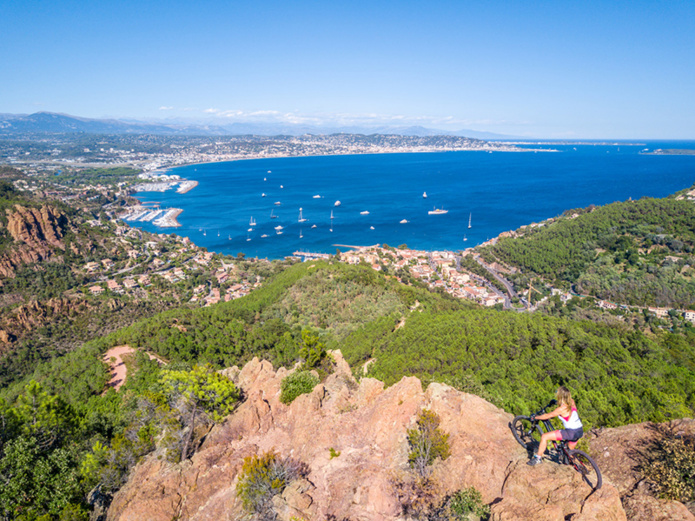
[
  {"x": 264, "y": 236},
  {"x": 250, "y": 230},
  {"x": 317, "y": 197},
  {"x": 424, "y": 195},
  {"x": 364, "y": 213},
  {"x": 371, "y": 227},
  {"x": 313, "y": 226},
  {"x": 272, "y": 215},
  {"x": 263, "y": 194},
  {"x": 438, "y": 211},
  {"x": 278, "y": 228},
  {"x": 277, "y": 203},
  {"x": 404, "y": 221},
  {"x": 469, "y": 219},
  {"x": 337, "y": 203},
  {"x": 301, "y": 219},
  {"x": 465, "y": 238},
  {"x": 252, "y": 222},
  {"x": 331, "y": 215}
]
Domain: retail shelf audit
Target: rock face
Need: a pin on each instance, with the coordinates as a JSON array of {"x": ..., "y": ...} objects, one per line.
[
  {"x": 39, "y": 232},
  {"x": 367, "y": 425},
  {"x": 618, "y": 453}
]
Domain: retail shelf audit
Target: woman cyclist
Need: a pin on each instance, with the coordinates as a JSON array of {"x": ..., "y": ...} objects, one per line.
[{"x": 567, "y": 412}]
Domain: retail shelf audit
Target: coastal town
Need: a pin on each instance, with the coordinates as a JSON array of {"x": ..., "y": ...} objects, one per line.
[
  {"x": 52, "y": 153},
  {"x": 172, "y": 260}
]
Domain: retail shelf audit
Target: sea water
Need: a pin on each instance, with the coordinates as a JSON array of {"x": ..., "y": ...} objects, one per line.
[{"x": 496, "y": 192}]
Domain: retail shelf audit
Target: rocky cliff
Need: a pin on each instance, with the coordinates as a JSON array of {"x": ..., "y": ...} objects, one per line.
[
  {"x": 367, "y": 425},
  {"x": 37, "y": 232}
]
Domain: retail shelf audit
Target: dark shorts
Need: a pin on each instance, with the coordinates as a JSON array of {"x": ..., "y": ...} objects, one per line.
[{"x": 571, "y": 434}]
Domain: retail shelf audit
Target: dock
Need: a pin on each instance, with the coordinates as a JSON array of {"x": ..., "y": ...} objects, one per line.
[{"x": 309, "y": 255}]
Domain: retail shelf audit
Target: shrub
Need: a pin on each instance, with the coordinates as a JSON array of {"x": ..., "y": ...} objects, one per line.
[
  {"x": 262, "y": 477},
  {"x": 669, "y": 465},
  {"x": 299, "y": 382},
  {"x": 467, "y": 501},
  {"x": 427, "y": 443}
]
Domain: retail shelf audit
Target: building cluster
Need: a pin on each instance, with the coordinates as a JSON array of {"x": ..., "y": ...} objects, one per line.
[
  {"x": 437, "y": 269},
  {"x": 143, "y": 267}
]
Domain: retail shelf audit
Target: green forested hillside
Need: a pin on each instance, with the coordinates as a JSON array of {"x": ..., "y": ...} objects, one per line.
[
  {"x": 634, "y": 252},
  {"x": 59, "y": 416}
]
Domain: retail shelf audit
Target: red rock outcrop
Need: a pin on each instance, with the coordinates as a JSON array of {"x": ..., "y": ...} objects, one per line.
[
  {"x": 367, "y": 424},
  {"x": 38, "y": 232},
  {"x": 618, "y": 453}
]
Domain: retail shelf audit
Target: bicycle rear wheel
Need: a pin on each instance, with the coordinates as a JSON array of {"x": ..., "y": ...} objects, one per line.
[
  {"x": 587, "y": 467},
  {"x": 526, "y": 432}
]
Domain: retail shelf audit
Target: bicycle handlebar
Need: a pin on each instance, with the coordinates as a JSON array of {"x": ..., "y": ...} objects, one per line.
[{"x": 550, "y": 404}]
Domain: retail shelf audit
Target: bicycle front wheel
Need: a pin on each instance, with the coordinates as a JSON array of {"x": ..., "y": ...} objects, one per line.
[
  {"x": 587, "y": 467},
  {"x": 526, "y": 432}
]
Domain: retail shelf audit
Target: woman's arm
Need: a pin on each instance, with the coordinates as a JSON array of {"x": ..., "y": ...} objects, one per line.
[{"x": 552, "y": 414}]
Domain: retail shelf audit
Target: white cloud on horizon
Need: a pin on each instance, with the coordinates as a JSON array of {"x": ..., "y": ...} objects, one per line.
[{"x": 340, "y": 119}]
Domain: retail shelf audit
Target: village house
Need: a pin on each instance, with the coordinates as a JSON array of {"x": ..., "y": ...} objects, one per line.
[
  {"x": 659, "y": 312},
  {"x": 114, "y": 286},
  {"x": 130, "y": 283},
  {"x": 107, "y": 263},
  {"x": 689, "y": 315},
  {"x": 91, "y": 267},
  {"x": 604, "y": 304},
  {"x": 96, "y": 290}
]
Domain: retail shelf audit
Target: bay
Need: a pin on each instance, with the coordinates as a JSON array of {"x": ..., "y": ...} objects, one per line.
[{"x": 497, "y": 191}]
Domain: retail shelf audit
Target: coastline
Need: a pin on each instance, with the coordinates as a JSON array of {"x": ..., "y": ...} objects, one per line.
[{"x": 168, "y": 220}]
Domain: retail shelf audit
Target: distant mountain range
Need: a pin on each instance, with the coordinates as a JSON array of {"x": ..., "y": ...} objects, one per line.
[{"x": 53, "y": 123}]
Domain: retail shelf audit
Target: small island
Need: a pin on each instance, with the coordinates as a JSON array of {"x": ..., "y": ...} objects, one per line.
[{"x": 671, "y": 152}]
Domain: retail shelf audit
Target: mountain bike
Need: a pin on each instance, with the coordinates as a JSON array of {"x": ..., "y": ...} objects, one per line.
[{"x": 528, "y": 431}]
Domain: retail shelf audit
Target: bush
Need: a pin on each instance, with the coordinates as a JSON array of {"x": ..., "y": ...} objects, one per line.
[
  {"x": 427, "y": 443},
  {"x": 262, "y": 477},
  {"x": 670, "y": 465},
  {"x": 299, "y": 382},
  {"x": 467, "y": 501}
]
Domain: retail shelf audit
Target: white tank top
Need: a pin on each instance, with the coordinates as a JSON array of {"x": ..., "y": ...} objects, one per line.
[{"x": 572, "y": 421}]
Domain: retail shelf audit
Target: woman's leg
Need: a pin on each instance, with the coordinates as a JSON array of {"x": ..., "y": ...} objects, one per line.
[{"x": 547, "y": 436}]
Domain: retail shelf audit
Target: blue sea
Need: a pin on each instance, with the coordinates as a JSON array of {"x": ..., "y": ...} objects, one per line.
[{"x": 496, "y": 191}]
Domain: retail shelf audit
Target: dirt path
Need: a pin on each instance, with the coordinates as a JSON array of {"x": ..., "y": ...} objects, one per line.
[{"x": 118, "y": 369}]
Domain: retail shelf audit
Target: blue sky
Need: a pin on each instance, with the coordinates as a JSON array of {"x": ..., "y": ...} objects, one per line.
[{"x": 555, "y": 69}]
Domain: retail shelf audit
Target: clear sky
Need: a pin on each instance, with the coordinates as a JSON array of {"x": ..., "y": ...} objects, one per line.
[{"x": 555, "y": 68}]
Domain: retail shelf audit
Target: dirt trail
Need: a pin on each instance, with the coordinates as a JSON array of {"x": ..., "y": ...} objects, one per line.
[{"x": 118, "y": 368}]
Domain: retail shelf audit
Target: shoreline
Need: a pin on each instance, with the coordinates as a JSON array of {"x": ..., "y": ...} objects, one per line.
[{"x": 513, "y": 150}]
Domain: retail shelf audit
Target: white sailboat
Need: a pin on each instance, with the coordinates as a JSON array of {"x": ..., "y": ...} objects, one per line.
[
  {"x": 331, "y": 214},
  {"x": 252, "y": 222},
  {"x": 469, "y": 219},
  {"x": 464, "y": 238},
  {"x": 272, "y": 215},
  {"x": 301, "y": 234},
  {"x": 424, "y": 195},
  {"x": 301, "y": 219}
]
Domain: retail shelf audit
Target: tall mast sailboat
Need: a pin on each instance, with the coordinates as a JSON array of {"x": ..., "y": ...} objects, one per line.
[
  {"x": 301, "y": 219},
  {"x": 470, "y": 215}
]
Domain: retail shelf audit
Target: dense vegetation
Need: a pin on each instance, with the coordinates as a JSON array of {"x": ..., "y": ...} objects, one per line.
[{"x": 634, "y": 252}]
